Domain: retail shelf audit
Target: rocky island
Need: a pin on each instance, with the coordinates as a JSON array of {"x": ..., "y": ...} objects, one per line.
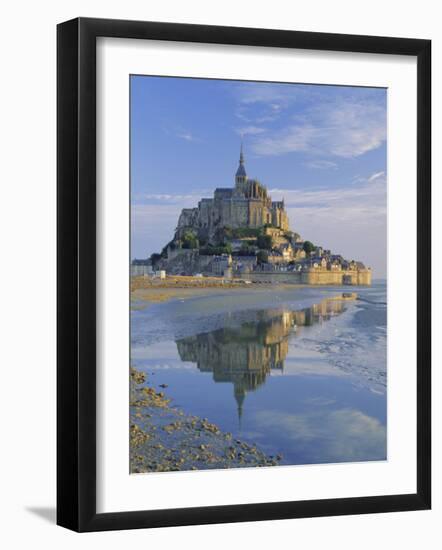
[{"x": 242, "y": 233}]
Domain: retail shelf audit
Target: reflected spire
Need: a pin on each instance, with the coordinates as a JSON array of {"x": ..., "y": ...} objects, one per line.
[
  {"x": 240, "y": 396},
  {"x": 246, "y": 355}
]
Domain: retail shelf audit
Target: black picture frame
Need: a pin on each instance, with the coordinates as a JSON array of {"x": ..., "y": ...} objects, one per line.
[{"x": 76, "y": 273}]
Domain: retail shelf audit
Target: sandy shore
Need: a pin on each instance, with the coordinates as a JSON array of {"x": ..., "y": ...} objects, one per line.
[
  {"x": 183, "y": 281},
  {"x": 146, "y": 291},
  {"x": 164, "y": 438},
  {"x": 156, "y": 295},
  {"x": 181, "y": 287}
]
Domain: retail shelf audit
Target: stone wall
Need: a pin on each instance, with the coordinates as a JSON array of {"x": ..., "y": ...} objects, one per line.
[
  {"x": 186, "y": 261},
  {"x": 235, "y": 213},
  {"x": 364, "y": 277},
  {"x": 330, "y": 277},
  {"x": 314, "y": 277},
  {"x": 293, "y": 277}
]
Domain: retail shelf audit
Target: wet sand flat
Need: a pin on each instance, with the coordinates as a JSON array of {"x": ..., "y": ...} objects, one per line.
[{"x": 318, "y": 364}]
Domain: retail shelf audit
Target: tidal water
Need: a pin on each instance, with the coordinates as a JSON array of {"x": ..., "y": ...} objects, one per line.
[{"x": 300, "y": 371}]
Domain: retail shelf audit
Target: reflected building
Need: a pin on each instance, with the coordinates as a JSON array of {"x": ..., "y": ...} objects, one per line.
[
  {"x": 244, "y": 355},
  {"x": 323, "y": 311}
]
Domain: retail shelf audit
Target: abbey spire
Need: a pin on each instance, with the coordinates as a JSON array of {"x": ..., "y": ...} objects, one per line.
[{"x": 241, "y": 176}]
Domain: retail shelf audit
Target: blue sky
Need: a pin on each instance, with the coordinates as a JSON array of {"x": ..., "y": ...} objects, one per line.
[{"x": 322, "y": 148}]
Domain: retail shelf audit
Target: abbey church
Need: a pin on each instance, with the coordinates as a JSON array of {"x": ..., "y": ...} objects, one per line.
[{"x": 248, "y": 204}]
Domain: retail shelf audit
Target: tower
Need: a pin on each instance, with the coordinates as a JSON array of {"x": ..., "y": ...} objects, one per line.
[
  {"x": 240, "y": 395},
  {"x": 241, "y": 176}
]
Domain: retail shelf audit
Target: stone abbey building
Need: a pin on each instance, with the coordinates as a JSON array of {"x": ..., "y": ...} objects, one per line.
[
  {"x": 248, "y": 204},
  {"x": 242, "y": 232}
]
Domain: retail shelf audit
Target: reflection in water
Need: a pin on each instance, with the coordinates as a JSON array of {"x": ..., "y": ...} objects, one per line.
[{"x": 245, "y": 355}]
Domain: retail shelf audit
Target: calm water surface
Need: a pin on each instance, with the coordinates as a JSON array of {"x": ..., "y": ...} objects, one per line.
[{"x": 297, "y": 371}]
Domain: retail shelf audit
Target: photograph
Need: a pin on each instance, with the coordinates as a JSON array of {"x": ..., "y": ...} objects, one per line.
[
  {"x": 258, "y": 274},
  {"x": 226, "y": 216}
]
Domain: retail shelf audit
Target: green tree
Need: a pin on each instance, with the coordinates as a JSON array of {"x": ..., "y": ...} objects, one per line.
[
  {"x": 262, "y": 257},
  {"x": 190, "y": 240},
  {"x": 155, "y": 258},
  {"x": 243, "y": 232},
  {"x": 265, "y": 242},
  {"x": 308, "y": 247},
  {"x": 246, "y": 250},
  {"x": 227, "y": 232}
]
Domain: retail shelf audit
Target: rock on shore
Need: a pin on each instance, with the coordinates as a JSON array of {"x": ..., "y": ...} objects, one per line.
[{"x": 164, "y": 438}]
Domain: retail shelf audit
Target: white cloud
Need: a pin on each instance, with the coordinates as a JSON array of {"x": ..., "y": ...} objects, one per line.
[
  {"x": 180, "y": 132},
  {"x": 184, "y": 200},
  {"x": 339, "y": 130},
  {"x": 274, "y": 95},
  {"x": 260, "y": 102},
  {"x": 329, "y": 125},
  {"x": 369, "y": 193},
  {"x": 337, "y": 435},
  {"x": 250, "y": 130},
  {"x": 376, "y": 175},
  {"x": 322, "y": 164},
  {"x": 187, "y": 136},
  {"x": 345, "y": 129}
]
